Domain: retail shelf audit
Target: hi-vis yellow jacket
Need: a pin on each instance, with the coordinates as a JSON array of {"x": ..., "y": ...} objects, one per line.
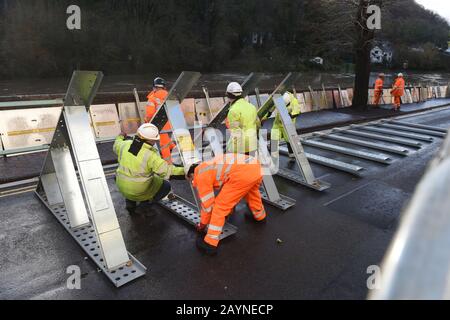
[
  {"x": 278, "y": 132},
  {"x": 243, "y": 123},
  {"x": 140, "y": 177}
]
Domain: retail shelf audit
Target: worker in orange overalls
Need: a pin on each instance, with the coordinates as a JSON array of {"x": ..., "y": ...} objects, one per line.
[
  {"x": 237, "y": 176},
  {"x": 398, "y": 90},
  {"x": 155, "y": 99},
  {"x": 378, "y": 93}
]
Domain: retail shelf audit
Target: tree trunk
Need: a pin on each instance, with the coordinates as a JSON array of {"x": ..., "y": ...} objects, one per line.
[{"x": 362, "y": 47}]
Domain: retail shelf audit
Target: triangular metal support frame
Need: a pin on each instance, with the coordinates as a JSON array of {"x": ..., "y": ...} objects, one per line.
[
  {"x": 87, "y": 213},
  {"x": 187, "y": 150},
  {"x": 275, "y": 101},
  {"x": 305, "y": 176},
  {"x": 269, "y": 190}
]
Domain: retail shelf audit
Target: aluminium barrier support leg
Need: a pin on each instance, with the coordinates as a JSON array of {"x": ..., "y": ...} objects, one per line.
[
  {"x": 306, "y": 176},
  {"x": 185, "y": 147},
  {"x": 96, "y": 229}
]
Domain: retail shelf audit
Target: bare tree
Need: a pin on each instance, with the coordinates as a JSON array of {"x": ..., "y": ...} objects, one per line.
[{"x": 362, "y": 47}]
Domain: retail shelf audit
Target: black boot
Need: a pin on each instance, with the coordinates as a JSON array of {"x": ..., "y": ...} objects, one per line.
[
  {"x": 263, "y": 221},
  {"x": 130, "y": 206},
  {"x": 206, "y": 248}
]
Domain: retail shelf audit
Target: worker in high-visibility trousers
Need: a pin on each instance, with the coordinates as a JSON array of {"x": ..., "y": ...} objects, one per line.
[
  {"x": 398, "y": 90},
  {"x": 142, "y": 176},
  {"x": 242, "y": 122},
  {"x": 378, "y": 90},
  {"x": 237, "y": 176},
  {"x": 278, "y": 132},
  {"x": 155, "y": 100}
]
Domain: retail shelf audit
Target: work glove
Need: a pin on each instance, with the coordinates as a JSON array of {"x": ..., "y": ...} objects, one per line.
[{"x": 201, "y": 227}]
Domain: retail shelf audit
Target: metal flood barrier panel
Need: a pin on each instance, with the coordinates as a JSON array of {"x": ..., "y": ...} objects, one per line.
[
  {"x": 129, "y": 117},
  {"x": 201, "y": 110},
  {"x": 29, "y": 127},
  {"x": 337, "y": 99},
  {"x": 172, "y": 111},
  {"x": 216, "y": 104},
  {"x": 387, "y": 97},
  {"x": 188, "y": 109},
  {"x": 302, "y": 102},
  {"x": 105, "y": 120},
  {"x": 443, "y": 90},
  {"x": 350, "y": 94},
  {"x": 87, "y": 213},
  {"x": 308, "y": 101},
  {"x": 329, "y": 97},
  {"x": 345, "y": 99}
]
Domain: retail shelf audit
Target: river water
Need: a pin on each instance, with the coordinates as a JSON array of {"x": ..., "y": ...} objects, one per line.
[{"x": 214, "y": 81}]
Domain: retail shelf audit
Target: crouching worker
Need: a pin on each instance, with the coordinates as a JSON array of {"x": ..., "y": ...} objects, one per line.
[
  {"x": 142, "y": 174},
  {"x": 237, "y": 176}
]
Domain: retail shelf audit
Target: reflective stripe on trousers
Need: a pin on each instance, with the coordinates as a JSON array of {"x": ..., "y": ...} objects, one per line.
[
  {"x": 214, "y": 228},
  {"x": 259, "y": 215},
  {"x": 207, "y": 197}
]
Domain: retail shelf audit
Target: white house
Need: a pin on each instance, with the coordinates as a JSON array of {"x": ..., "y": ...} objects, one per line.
[
  {"x": 317, "y": 60},
  {"x": 381, "y": 54}
]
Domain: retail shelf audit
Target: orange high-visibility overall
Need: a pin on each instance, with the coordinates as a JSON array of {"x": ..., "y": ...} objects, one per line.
[
  {"x": 379, "y": 83},
  {"x": 155, "y": 99},
  {"x": 398, "y": 91},
  {"x": 237, "y": 176}
]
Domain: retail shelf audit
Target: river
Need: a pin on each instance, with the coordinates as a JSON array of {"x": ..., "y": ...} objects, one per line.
[{"x": 214, "y": 81}]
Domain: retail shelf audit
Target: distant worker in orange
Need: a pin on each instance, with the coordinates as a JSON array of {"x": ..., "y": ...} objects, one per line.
[
  {"x": 237, "y": 176},
  {"x": 378, "y": 93},
  {"x": 155, "y": 99},
  {"x": 398, "y": 90}
]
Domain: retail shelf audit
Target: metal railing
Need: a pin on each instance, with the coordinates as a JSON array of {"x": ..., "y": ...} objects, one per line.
[
  {"x": 31, "y": 104},
  {"x": 417, "y": 264}
]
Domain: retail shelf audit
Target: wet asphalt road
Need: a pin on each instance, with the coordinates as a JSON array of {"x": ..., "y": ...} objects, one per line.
[{"x": 328, "y": 241}]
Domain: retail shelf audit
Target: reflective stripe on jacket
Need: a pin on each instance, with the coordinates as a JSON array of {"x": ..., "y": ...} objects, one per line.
[
  {"x": 243, "y": 123},
  {"x": 140, "y": 177}
]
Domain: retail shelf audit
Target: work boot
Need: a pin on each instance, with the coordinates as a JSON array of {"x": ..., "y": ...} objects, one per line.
[
  {"x": 263, "y": 221},
  {"x": 145, "y": 206},
  {"x": 171, "y": 196},
  {"x": 250, "y": 216},
  {"x": 206, "y": 248},
  {"x": 130, "y": 206}
]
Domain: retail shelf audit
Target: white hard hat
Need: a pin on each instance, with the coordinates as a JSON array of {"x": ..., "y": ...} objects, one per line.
[
  {"x": 192, "y": 166},
  {"x": 400, "y": 74},
  {"x": 235, "y": 89},
  {"x": 148, "y": 131},
  {"x": 287, "y": 98}
]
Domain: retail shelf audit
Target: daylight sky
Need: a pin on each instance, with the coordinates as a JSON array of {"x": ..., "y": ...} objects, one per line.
[{"x": 441, "y": 7}]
